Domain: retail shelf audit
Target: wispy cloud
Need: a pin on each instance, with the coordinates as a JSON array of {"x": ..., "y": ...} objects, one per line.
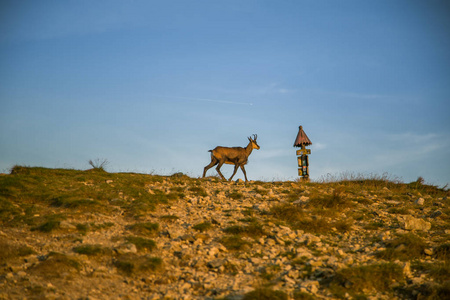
[
  {"x": 205, "y": 100},
  {"x": 413, "y": 138},
  {"x": 318, "y": 146},
  {"x": 409, "y": 147}
]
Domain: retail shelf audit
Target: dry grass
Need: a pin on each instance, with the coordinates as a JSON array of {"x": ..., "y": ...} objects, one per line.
[
  {"x": 132, "y": 264},
  {"x": 9, "y": 251},
  {"x": 253, "y": 230},
  {"x": 142, "y": 244},
  {"x": 56, "y": 265},
  {"x": 297, "y": 218},
  {"x": 265, "y": 294},
  {"x": 335, "y": 201},
  {"x": 356, "y": 280},
  {"x": 235, "y": 243},
  {"x": 92, "y": 250},
  {"x": 146, "y": 228},
  {"x": 204, "y": 226},
  {"x": 404, "y": 247}
]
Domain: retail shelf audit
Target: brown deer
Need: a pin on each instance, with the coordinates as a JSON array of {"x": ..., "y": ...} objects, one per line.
[{"x": 236, "y": 156}]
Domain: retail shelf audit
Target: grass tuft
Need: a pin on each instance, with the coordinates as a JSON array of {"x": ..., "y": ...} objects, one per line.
[
  {"x": 204, "y": 226},
  {"x": 336, "y": 200},
  {"x": 198, "y": 191},
  {"x": 52, "y": 223},
  {"x": 404, "y": 247},
  {"x": 442, "y": 252},
  {"x": 142, "y": 244},
  {"x": 99, "y": 164},
  {"x": 355, "y": 280},
  {"x": 252, "y": 230},
  {"x": 265, "y": 294},
  {"x": 9, "y": 251},
  {"x": 147, "y": 229},
  {"x": 235, "y": 195},
  {"x": 234, "y": 243},
  {"x": 92, "y": 250},
  {"x": 132, "y": 264},
  {"x": 56, "y": 265}
]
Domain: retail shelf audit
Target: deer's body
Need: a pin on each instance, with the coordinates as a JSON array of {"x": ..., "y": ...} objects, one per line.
[{"x": 236, "y": 156}]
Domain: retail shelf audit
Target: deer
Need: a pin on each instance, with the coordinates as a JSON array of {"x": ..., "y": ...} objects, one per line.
[{"x": 236, "y": 156}]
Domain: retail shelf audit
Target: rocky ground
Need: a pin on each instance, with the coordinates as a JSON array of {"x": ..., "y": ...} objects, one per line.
[{"x": 210, "y": 239}]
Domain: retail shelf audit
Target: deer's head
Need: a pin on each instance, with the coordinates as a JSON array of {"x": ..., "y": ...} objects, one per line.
[{"x": 253, "y": 142}]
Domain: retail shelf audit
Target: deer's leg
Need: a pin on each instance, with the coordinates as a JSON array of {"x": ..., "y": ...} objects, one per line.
[
  {"x": 218, "y": 170},
  {"x": 213, "y": 162},
  {"x": 243, "y": 171},
  {"x": 235, "y": 170}
]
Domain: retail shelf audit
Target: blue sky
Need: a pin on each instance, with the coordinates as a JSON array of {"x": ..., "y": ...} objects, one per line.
[{"x": 152, "y": 85}]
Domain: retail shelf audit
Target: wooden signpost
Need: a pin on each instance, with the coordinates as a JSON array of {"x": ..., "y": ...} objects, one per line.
[{"x": 302, "y": 140}]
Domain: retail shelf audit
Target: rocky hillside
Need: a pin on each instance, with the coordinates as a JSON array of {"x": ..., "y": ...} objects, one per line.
[{"x": 69, "y": 234}]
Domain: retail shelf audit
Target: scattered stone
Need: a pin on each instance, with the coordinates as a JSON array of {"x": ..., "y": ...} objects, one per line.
[
  {"x": 428, "y": 251},
  {"x": 126, "y": 248},
  {"x": 406, "y": 268},
  {"x": 66, "y": 225},
  {"x": 198, "y": 265},
  {"x": 411, "y": 223},
  {"x": 215, "y": 263},
  {"x": 419, "y": 201}
]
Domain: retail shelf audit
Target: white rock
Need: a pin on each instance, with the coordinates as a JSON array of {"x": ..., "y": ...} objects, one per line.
[
  {"x": 126, "y": 248},
  {"x": 419, "y": 201},
  {"x": 66, "y": 225},
  {"x": 407, "y": 269},
  {"x": 428, "y": 252},
  {"x": 411, "y": 223}
]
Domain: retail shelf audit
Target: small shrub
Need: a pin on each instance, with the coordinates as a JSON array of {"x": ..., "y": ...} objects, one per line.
[
  {"x": 55, "y": 265},
  {"x": 169, "y": 218},
  {"x": 265, "y": 294},
  {"x": 147, "y": 228},
  {"x": 92, "y": 250},
  {"x": 71, "y": 202},
  {"x": 337, "y": 200},
  {"x": 428, "y": 291},
  {"x": 303, "y": 296},
  {"x": 52, "y": 223},
  {"x": 130, "y": 264},
  {"x": 198, "y": 191},
  {"x": 399, "y": 210},
  {"x": 9, "y": 251},
  {"x": 99, "y": 164},
  {"x": 142, "y": 244},
  {"x": 354, "y": 280},
  {"x": 290, "y": 213},
  {"x": 442, "y": 252},
  {"x": 204, "y": 226},
  {"x": 235, "y": 195},
  {"x": 261, "y": 191},
  {"x": 82, "y": 228},
  {"x": 439, "y": 271},
  {"x": 234, "y": 243},
  {"x": 404, "y": 247},
  {"x": 374, "y": 225},
  {"x": 252, "y": 230},
  {"x": 343, "y": 225}
]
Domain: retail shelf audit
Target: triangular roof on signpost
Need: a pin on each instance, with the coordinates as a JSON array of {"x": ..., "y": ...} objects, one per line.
[{"x": 302, "y": 139}]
